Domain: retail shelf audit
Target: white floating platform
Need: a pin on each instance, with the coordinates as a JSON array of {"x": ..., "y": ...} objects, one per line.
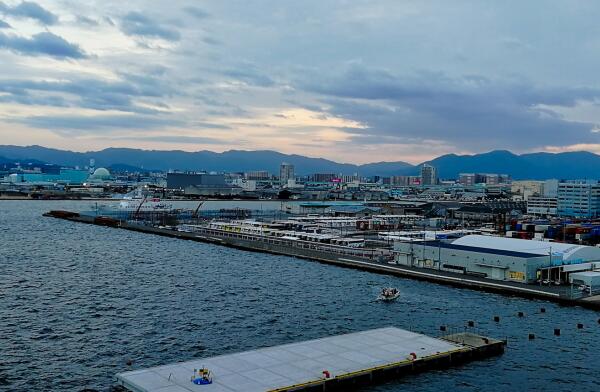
[{"x": 294, "y": 366}]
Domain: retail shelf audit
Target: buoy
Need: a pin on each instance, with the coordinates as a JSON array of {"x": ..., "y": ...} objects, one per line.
[
  {"x": 497, "y": 319},
  {"x": 579, "y": 326},
  {"x": 471, "y": 323},
  {"x": 520, "y": 314},
  {"x": 531, "y": 336},
  {"x": 129, "y": 362},
  {"x": 542, "y": 310},
  {"x": 557, "y": 331},
  {"x": 442, "y": 328}
]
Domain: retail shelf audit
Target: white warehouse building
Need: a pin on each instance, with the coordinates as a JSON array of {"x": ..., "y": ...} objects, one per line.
[{"x": 500, "y": 258}]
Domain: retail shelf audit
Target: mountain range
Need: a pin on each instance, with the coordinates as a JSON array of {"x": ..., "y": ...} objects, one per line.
[{"x": 567, "y": 165}]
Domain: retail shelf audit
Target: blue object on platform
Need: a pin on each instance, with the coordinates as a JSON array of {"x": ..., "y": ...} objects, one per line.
[{"x": 201, "y": 381}]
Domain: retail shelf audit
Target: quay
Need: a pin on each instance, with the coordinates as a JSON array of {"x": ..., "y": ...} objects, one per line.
[
  {"x": 373, "y": 260},
  {"x": 327, "y": 364}
]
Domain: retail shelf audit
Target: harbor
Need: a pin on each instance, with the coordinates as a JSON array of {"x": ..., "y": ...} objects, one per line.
[
  {"x": 353, "y": 249},
  {"x": 333, "y": 363},
  {"x": 83, "y": 299}
]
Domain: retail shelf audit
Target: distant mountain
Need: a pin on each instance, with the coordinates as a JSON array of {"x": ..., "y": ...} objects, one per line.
[
  {"x": 231, "y": 161},
  {"x": 568, "y": 165},
  {"x": 537, "y": 166}
]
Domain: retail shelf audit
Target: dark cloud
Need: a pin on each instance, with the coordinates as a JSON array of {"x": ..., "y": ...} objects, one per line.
[
  {"x": 211, "y": 41},
  {"x": 4, "y": 25},
  {"x": 96, "y": 94},
  {"x": 137, "y": 24},
  {"x": 109, "y": 21},
  {"x": 196, "y": 12},
  {"x": 74, "y": 125},
  {"x": 24, "y": 98},
  {"x": 470, "y": 111},
  {"x": 84, "y": 20},
  {"x": 250, "y": 74},
  {"x": 28, "y": 9},
  {"x": 44, "y": 43},
  {"x": 208, "y": 125},
  {"x": 178, "y": 139}
]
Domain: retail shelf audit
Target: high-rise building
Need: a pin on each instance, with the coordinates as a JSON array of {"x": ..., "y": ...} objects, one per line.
[
  {"x": 286, "y": 173},
  {"x": 579, "y": 199},
  {"x": 429, "y": 175}
]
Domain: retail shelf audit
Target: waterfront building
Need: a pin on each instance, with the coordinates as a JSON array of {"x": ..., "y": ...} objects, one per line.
[
  {"x": 579, "y": 199},
  {"x": 286, "y": 173},
  {"x": 246, "y": 185},
  {"x": 499, "y": 258},
  {"x": 429, "y": 175},
  {"x": 62, "y": 176}
]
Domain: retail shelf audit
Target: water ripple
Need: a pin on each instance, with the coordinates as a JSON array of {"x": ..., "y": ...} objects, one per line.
[{"x": 80, "y": 303}]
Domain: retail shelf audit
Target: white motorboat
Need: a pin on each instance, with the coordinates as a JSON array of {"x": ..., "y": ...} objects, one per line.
[{"x": 388, "y": 294}]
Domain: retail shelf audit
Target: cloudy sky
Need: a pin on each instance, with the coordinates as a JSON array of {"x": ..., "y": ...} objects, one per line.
[{"x": 355, "y": 81}]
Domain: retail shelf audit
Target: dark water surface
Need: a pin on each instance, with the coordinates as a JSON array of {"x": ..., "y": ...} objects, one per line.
[{"x": 78, "y": 301}]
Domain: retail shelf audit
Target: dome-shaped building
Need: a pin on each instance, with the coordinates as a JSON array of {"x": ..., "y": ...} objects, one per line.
[{"x": 100, "y": 174}]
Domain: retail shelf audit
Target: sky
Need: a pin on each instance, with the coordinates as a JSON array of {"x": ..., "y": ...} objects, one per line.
[{"x": 349, "y": 80}]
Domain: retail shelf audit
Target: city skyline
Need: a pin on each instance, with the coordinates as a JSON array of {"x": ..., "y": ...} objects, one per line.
[{"x": 353, "y": 82}]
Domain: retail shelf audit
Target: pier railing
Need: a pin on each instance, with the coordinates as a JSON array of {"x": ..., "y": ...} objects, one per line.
[{"x": 272, "y": 241}]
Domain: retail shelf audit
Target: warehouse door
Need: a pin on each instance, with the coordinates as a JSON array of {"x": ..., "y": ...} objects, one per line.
[{"x": 498, "y": 274}]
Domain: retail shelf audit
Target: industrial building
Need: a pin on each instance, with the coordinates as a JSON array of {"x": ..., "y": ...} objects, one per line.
[
  {"x": 61, "y": 176},
  {"x": 184, "y": 180},
  {"x": 500, "y": 258},
  {"x": 542, "y": 206}
]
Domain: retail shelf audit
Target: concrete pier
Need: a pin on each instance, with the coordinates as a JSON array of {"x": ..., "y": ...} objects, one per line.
[
  {"x": 368, "y": 261},
  {"x": 331, "y": 363}
]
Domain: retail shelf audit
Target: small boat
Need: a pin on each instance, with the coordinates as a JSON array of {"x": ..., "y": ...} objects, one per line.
[{"x": 388, "y": 294}]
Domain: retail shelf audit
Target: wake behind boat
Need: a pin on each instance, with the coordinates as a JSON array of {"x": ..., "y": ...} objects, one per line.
[{"x": 388, "y": 294}]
